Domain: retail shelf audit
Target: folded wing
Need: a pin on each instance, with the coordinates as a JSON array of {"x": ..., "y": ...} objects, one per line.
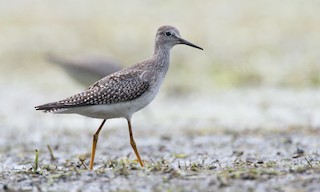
[{"x": 118, "y": 87}]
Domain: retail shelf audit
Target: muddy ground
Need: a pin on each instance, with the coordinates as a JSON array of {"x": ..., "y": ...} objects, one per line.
[{"x": 286, "y": 160}]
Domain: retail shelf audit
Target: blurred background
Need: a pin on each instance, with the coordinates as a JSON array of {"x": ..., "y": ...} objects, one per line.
[{"x": 259, "y": 68}]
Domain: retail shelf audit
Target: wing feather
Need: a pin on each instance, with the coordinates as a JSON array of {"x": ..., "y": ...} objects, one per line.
[{"x": 118, "y": 87}]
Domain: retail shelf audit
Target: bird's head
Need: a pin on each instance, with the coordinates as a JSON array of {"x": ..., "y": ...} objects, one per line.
[{"x": 169, "y": 36}]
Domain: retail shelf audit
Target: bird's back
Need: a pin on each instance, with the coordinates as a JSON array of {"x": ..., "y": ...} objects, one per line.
[{"x": 124, "y": 85}]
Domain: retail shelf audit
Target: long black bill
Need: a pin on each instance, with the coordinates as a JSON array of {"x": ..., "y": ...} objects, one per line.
[{"x": 182, "y": 41}]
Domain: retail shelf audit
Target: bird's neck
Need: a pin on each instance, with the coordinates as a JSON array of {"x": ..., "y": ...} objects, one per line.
[{"x": 161, "y": 57}]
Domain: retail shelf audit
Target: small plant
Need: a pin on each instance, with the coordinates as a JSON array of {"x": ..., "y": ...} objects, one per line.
[{"x": 35, "y": 167}]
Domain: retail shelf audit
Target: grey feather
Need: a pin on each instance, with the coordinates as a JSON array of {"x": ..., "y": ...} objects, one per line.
[{"x": 118, "y": 87}]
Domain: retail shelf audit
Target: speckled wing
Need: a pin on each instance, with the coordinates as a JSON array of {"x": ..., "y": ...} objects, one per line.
[{"x": 118, "y": 87}]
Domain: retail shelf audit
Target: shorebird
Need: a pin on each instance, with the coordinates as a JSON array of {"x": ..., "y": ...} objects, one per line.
[
  {"x": 86, "y": 69},
  {"x": 121, "y": 94}
]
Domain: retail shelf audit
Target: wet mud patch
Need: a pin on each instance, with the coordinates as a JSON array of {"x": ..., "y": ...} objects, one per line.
[{"x": 229, "y": 160}]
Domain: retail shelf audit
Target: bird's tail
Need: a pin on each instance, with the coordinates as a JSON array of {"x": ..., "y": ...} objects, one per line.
[{"x": 53, "y": 107}]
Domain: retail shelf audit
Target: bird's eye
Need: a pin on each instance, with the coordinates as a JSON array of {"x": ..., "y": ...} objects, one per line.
[{"x": 168, "y": 34}]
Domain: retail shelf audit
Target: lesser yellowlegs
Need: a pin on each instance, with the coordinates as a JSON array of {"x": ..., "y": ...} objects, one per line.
[{"x": 125, "y": 92}]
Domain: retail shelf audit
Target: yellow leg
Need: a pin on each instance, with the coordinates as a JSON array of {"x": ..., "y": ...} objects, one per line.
[
  {"x": 133, "y": 144},
  {"x": 94, "y": 144}
]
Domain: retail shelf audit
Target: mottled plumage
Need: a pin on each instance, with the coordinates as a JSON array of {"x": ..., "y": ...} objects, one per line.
[
  {"x": 118, "y": 87},
  {"x": 125, "y": 92}
]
